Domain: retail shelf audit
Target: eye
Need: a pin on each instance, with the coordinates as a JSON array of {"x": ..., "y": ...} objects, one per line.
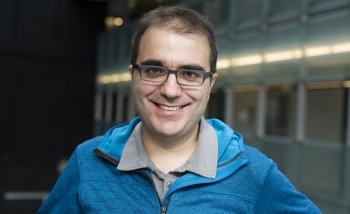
[
  {"x": 154, "y": 71},
  {"x": 190, "y": 74}
]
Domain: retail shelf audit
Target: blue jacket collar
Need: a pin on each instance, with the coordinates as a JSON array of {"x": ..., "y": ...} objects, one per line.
[{"x": 230, "y": 143}]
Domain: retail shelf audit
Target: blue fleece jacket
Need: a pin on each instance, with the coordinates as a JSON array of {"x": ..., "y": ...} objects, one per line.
[{"x": 246, "y": 182}]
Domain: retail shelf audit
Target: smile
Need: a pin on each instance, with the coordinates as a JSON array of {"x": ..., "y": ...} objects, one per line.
[{"x": 169, "y": 108}]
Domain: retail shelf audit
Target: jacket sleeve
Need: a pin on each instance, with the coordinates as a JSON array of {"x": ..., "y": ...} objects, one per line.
[
  {"x": 64, "y": 197},
  {"x": 278, "y": 195}
]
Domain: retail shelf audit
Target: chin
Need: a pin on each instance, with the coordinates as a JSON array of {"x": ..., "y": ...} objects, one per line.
[{"x": 168, "y": 132}]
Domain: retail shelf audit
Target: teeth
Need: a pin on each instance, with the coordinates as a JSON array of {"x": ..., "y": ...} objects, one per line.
[{"x": 168, "y": 108}]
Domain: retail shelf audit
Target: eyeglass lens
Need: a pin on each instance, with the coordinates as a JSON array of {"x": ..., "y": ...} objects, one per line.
[{"x": 159, "y": 75}]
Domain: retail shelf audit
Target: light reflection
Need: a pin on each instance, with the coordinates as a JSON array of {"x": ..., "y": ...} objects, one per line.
[
  {"x": 118, "y": 21},
  {"x": 125, "y": 76},
  {"x": 346, "y": 84},
  {"x": 340, "y": 48},
  {"x": 105, "y": 79},
  {"x": 323, "y": 85},
  {"x": 254, "y": 59},
  {"x": 297, "y": 54},
  {"x": 285, "y": 55},
  {"x": 248, "y": 60},
  {"x": 115, "y": 78},
  {"x": 223, "y": 64},
  {"x": 278, "y": 56},
  {"x": 317, "y": 51}
]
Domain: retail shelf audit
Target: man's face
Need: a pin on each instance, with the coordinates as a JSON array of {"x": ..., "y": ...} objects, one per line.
[{"x": 168, "y": 109}]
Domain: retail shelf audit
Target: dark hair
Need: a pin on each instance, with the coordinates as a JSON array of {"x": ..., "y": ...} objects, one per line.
[{"x": 179, "y": 19}]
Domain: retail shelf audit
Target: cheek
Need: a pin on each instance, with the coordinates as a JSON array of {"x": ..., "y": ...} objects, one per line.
[
  {"x": 201, "y": 97},
  {"x": 141, "y": 92}
]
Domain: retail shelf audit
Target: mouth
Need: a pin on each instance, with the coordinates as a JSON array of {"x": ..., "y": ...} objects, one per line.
[{"x": 169, "y": 108}]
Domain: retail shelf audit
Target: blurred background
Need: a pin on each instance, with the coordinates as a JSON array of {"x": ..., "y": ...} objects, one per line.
[{"x": 284, "y": 82}]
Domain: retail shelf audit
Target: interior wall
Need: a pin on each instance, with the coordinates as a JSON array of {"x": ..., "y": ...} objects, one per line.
[{"x": 47, "y": 63}]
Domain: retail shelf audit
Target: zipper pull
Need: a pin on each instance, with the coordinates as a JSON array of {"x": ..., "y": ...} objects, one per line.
[{"x": 163, "y": 210}]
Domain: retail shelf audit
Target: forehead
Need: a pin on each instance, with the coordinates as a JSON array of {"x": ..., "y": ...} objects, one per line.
[{"x": 174, "y": 49}]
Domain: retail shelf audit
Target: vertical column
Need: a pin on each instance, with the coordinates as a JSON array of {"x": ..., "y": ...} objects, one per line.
[
  {"x": 346, "y": 192},
  {"x": 300, "y": 112},
  {"x": 228, "y": 109},
  {"x": 346, "y": 196},
  {"x": 98, "y": 111},
  {"x": 348, "y": 121},
  {"x": 297, "y": 158},
  {"x": 301, "y": 98},
  {"x": 261, "y": 116},
  {"x": 98, "y": 107},
  {"x": 120, "y": 104},
  {"x": 108, "y": 107},
  {"x": 131, "y": 107}
]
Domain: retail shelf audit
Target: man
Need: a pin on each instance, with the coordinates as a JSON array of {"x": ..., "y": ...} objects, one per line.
[{"x": 170, "y": 159}]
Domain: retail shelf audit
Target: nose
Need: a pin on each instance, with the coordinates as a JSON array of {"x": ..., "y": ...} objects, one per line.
[{"x": 170, "y": 88}]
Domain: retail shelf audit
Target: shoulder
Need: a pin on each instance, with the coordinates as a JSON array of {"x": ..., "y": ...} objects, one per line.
[
  {"x": 257, "y": 158},
  {"x": 258, "y": 167},
  {"x": 90, "y": 144}
]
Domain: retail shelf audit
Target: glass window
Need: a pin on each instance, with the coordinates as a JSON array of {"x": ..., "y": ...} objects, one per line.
[
  {"x": 246, "y": 59},
  {"x": 336, "y": 65},
  {"x": 246, "y": 74},
  {"x": 280, "y": 110},
  {"x": 244, "y": 115},
  {"x": 282, "y": 39},
  {"x": 326, "y": 112},
  {"x": 327, "y": 31},
  {"x": 197, "y": 7},
  {"x": 324, "y": 2},
  {"x": 247, "y": 11},
  {"x": 279, "y": 7},
  {"x": 218, "y": 12},
  {"x": 224, "y": 77},
  {"x": 322, "y": 169},
  {"x": 284, "y": 70}
]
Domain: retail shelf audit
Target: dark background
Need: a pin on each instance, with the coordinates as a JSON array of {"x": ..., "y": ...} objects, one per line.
[
  {"x": 47, "y": 64},
  {"x": 48, "y": 52}
]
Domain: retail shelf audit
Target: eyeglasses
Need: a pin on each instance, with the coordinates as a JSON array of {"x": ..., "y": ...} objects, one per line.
[{"x": 160, "y": 75}]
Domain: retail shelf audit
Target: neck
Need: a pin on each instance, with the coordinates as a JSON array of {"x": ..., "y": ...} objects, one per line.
[{"x": 169, "y": 154}]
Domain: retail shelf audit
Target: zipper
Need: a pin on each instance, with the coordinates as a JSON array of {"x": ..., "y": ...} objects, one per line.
[
  {"x": 165, "y": 207},
  {"x": 106, "y": 156},
  {"x": 162, "y": 208},
  {"x": 142, "y": 172}
]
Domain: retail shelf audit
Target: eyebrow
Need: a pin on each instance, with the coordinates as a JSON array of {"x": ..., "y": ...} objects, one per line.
[
  {"x": 152, "y": 62},
  {"x": 192, "y": 67},
  {"x": 161, "y": 64}
]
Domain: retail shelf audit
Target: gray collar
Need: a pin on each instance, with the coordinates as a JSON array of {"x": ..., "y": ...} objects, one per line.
[{"x": 203, "y": 161}]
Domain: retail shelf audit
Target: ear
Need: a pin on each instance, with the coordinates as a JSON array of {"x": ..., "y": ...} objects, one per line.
[
  {"x": 131, "y": 71},
  {"x": 213, "y": 78}
]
